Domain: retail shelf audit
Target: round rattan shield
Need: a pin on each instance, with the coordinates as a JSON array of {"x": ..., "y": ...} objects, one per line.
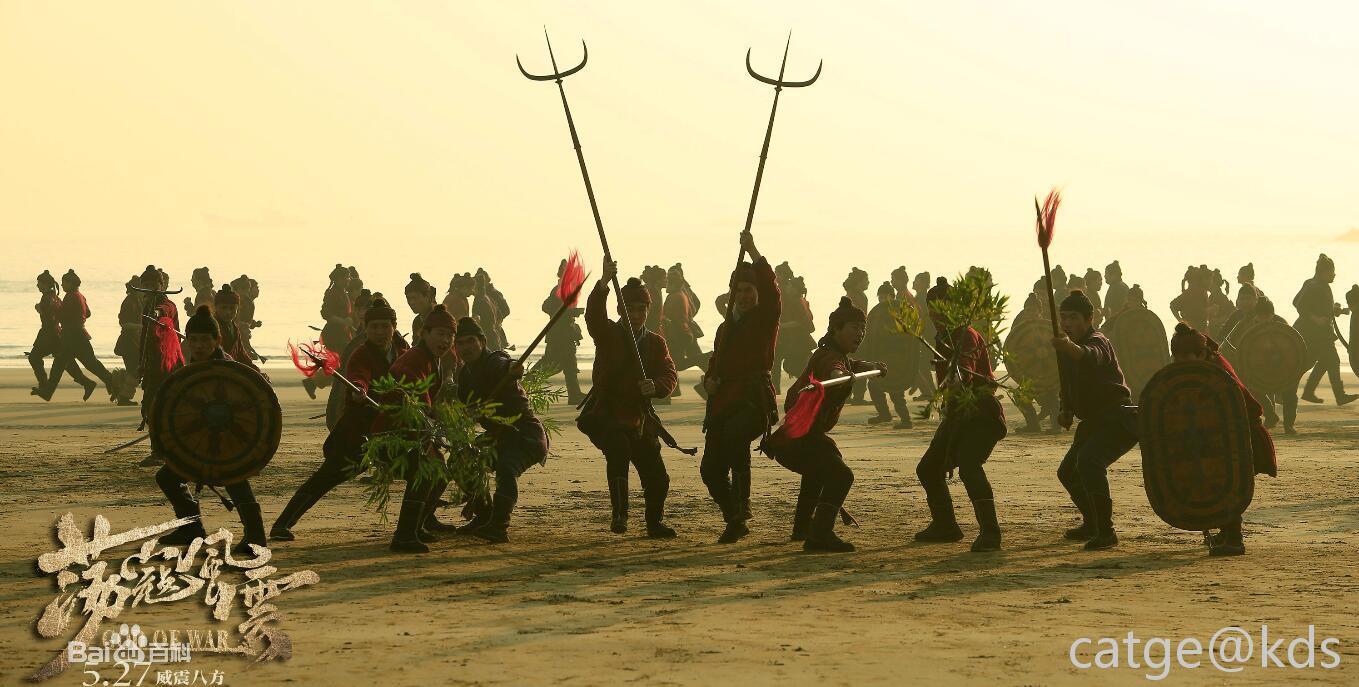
[
  {"x": 1140, "y": 343},
  {"x": 216, "y": 422},
  {"x": 1197, "y": 464},
  {"x": 1029, "y": 355},
  {"x": 1270, "y": 357}
]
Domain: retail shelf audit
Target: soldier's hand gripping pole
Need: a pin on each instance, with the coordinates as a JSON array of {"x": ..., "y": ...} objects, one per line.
[{"x": 779, "y": 84}]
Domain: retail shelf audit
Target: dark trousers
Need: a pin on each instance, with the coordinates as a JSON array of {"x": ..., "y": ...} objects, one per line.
[
  {"x": 962, "y": 442},
  {"x": 47, "y": 344},
  {"x": 76, "y": 348},
  {"x": 825, "y": 477},
  {"x": 1327, "y": 364},
  {"x": 726, "y": 454},
  {"x": 176, "y": 489},
  {"x": 1097, "y": 444},
  {"x": 512, "y": 459},
  {"x": 1287, "y": 399},
  {"x": 622, "y": 447}
]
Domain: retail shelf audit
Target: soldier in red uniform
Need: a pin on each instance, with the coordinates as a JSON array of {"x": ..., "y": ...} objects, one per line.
[
  {"x": 825, "y": 477},
  {"x": 162, "y": 353},
  {"x": 75, "y": 339},
  {"x": 420, "y": 362},
  {"x": 617, "y": 415},
  {"x": 343, "y": 449},
  {"x": 973, "y": 423},
  {"x": 1191, "y": 344},
  {"x": 420, "y": 296},
  {"x": 48, "y": 341},
  {"x": 741, "y": 405}
]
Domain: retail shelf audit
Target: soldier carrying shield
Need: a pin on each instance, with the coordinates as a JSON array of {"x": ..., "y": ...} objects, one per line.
[{"x": 1191, "y": 344}]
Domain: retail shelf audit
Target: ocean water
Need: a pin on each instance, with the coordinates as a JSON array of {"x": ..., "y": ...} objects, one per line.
[{"x": 291, "y": 291}]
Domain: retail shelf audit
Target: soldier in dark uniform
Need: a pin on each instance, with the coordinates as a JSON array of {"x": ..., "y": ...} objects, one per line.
[
  {"x": 655, "y": 278},
  {"x": 1095, "y": 392},
  {"x": 48, "y": 341},
  {"x": 677, "y": 324},
  {"x": 490, "y": 375},
  {"x": 741, "y": 406},
  {"x": 884, "y": 342},
  {"x": 856, "y": 290},
  {"x": 232, "y": 341},
  {"x": 129, "y": 328},
  {"x": 75, "y": 340},
  {"x": 203, "y": 342},
  {"x": 372, "y": 359},
  {"x": 796, "y": 341},
  {"x": 1317, "y": 310},
  {"x": 826, "y": 479},
  {"x": 616, "y": 416},
  {"x": 1117, "y": 294},
  {"x": 965, "y": 437},
  {"x": 924, "y": 377},
  {"x": 1191, "y": 305},
  {"x": 249, "y": 290},
  {"x": 502, "y": 307},
  {"x": 337, "y": 309},
  {"x": 1264, "y": 312},
  {"x": 420, "y": 296},
  {"x": 485, "y": 312},
  {"x": 561, "y": 341},
  {"x": 202, "y": 284}
]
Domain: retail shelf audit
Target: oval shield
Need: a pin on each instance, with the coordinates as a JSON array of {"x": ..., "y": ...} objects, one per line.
[
  {"x": 1270, "y": 357},
  {"x": 1029, "y": 355},
  {"x": 216, "y": 422},
  {"x": 1197, "y": 464},
  {"x": 1140, "y": 342}
]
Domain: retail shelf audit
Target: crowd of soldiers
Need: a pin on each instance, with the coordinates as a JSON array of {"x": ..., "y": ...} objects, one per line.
[{"x": 768, "y": 329}]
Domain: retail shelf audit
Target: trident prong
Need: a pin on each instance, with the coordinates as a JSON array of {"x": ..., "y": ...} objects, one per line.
[
  {"x": 779, "y": 82},
  {"x": 555, "y": 75}
]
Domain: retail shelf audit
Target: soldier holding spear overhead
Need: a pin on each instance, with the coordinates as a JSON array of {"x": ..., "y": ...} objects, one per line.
[
  {"x": 620, "y": 419},
  {"x": 741, "y": 404}
]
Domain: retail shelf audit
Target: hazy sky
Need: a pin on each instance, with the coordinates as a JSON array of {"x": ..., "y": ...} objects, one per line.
[{"x": 335, "y": 128}]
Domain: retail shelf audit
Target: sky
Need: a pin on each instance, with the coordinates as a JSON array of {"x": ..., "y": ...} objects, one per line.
[{"x": 282, "y": 137}]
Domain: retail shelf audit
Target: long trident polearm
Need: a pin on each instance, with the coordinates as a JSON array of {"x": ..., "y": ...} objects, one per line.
[
  {"x": 779, "y": 84},
  {"x": 558, "y": 75}
]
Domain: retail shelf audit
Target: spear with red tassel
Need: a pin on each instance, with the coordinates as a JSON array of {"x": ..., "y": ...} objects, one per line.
[
  {"x": 1046, "y": 218},
  {"x": 568, "y": 289},
  {"x": 323, "y": 360}
]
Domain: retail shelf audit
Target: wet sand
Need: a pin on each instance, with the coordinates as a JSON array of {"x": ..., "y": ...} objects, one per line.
[{"x": 567, "y": 602}]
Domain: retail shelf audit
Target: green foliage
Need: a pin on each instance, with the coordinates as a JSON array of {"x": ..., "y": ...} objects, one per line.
[
  {"x": 423, "y": 444},
  {"x": 973, "y": 302}
]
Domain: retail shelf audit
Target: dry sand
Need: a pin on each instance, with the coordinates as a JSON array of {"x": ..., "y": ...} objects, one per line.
[{"x": 566, "y": 602}]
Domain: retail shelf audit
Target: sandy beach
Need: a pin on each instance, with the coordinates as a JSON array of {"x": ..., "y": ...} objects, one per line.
[{"x": 567, "y": 602}]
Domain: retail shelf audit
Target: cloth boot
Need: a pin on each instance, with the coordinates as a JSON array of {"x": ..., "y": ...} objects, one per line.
[
  {"x": 822, "y": 536},
  {"x": 988, "y": 539}
]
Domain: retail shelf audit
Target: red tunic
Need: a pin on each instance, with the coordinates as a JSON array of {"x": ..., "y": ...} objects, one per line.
[
  {"x": 234, "y": 344},
  {"x": 827, "y": 363},
  {"x": 676, "y": 314},
  {"x": 367, "y": 363},
  {"x": 74, "y": 312},
  {"x": 744, "y": 351},
  {"x": 615, "y": 375},
  {"x": 1261, "y": 443},
  {"x": 49, "y": 317}
]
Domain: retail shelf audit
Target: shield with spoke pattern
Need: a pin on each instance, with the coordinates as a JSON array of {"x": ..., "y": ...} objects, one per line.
[{"x": 216, "y": 422}]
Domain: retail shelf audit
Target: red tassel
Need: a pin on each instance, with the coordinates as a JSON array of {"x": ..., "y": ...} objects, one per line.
[
  {"x": 573, "y": 278},
  {"x": 318, "y": 358},
  {"x": 171, "y": 353},
  {"x": 1047, "y": 216},
  {"x": 798, "y": 421}
]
